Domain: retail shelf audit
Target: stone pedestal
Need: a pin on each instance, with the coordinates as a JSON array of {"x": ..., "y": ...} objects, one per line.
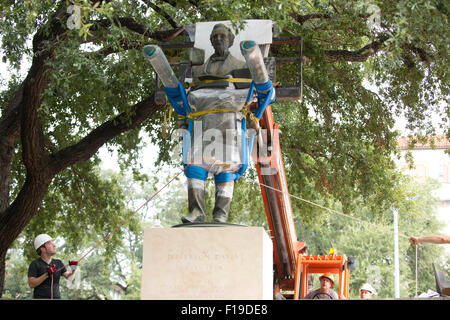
[{"x": 207, "y": 263}]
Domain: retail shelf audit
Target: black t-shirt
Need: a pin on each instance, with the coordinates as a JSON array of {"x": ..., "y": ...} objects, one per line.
[{"x": 36, "y": 269}]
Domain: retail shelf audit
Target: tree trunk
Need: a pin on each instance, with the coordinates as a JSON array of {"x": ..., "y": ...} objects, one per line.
[
  {"x": 44, "y": 168},
  {"x": 18, "y": 215},
  {"x": 20, "y": 121},
  {"x": 2, "y": 271},
  {"x": 9, "y": 133}
]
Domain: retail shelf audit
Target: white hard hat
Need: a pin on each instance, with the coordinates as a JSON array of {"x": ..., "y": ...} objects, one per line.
[
  {"x": 41, "y": 239},
  {"x": 369, "y": 288}
]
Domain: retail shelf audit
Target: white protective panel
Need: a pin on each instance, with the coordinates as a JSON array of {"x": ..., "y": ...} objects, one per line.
[{"x": 256, "y": 30}]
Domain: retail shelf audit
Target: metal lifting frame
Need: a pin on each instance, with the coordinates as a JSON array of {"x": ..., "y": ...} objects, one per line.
[
  {"x": 283, "y": 91},
  {"x": 320, "y": 264}
]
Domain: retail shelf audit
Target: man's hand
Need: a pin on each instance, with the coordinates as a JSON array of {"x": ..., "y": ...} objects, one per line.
[
  {"x": 73, "y": 265},
  {"x": 437, "y": 239},
  {"x": 414, "y": 241}
]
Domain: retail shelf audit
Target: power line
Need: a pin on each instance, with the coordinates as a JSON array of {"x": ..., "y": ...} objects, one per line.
[
  {"x": 416, "y": 261},
  {"x": 334, "y": 211}
]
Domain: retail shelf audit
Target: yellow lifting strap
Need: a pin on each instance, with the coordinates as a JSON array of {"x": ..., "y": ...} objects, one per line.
[
  {"x": 244, "y": 111},
  {"x": 196, "y": 83},
  {"x": 193, "y": 115}
]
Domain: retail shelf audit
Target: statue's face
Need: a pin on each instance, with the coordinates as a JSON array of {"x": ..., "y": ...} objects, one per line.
[{"x": 220, "y": 41}]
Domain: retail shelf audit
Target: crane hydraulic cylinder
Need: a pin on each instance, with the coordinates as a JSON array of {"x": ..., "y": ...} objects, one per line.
[
  {"x": 255, "y": 61},
  {"x": 162, "y": 67}
]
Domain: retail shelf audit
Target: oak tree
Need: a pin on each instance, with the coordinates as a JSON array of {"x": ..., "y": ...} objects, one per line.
[{"x": 88, "y": 86}]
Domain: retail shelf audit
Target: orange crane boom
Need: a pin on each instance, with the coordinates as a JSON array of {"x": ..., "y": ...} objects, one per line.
[
  {"x": 291, "y": 267},
  {"x": 277, "y": 203}
]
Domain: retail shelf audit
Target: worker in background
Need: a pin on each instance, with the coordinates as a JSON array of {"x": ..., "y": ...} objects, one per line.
[
  {"x": 325, "y": 291},
  {"x": 367, "y": 291},
  {"x": 45, "y": 272},
  {"x": 438, "y": 239}
]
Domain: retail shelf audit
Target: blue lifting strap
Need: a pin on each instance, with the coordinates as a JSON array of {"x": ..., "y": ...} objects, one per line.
[
  {"x": 177, "y": 96},
  {"x": 264, "y": 92},
  {"x": 178, "y": 99},
  {"x": 195, "y": 172}
]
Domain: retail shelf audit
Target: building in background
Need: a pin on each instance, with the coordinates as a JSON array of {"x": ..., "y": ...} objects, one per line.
[{"x": 431, "y": 163}]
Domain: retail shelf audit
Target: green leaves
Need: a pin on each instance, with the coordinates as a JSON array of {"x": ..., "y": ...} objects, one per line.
[
  {"x": 337, "y": 144},
  {"x": 371, "y": 241}
]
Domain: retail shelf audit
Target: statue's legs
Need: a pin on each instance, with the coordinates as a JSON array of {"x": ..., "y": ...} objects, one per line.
[
  {"x": 223, "y": 197},
  {"x": 196, "y": 201}
]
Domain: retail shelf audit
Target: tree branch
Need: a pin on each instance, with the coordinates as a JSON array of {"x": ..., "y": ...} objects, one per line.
[
  {"x": 125, "y": 44},
  {"x": 9, "y": 136},
  {"x": 122, "y": 287},
  {"x": 162, "y": 13},
  {"x": 417, "y": 51},
  {"x": 312, "y": 153},
  {"x": 173, "y": 3},
  {"x": 89, "y": 145},
  {"x": 360, "y": 55},
  {"x": 304, "y": 18},
  {"x": 131, "y": 24}
]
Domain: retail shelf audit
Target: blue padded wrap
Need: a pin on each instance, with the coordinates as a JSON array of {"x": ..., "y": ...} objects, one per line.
[
  {"x": 177, "y": 95},
  {"x": 224, "y": 177},
  {"x": 234, "y": 176},
  {"x": 244, "y": 149},
  {"x": 250, "y": 91},
  {"x": 250, "y": 145},
  {"x": 264, "y": 98},
  {"x": 264, "y": 86},
  {"x": 196, "y": 173}
]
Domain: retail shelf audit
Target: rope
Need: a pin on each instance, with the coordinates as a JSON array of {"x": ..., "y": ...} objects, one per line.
[
  {"x": 193, "y": 115},
  {"x": 417, "y": 271},
  {"x": 130, "y": 216},
  {"x": 333, "y": 211},
  {"x": 242, "y": 80},
  {"x": 51, "y": 290}
]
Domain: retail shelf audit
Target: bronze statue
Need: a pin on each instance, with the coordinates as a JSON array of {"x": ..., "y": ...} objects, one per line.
[{"x": 212, "y": 111}]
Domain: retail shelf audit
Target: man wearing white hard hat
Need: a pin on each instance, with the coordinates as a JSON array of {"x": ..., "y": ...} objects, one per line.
[
  {"x": 367, "y": 291},
  {"x": 45, "y": 272}
]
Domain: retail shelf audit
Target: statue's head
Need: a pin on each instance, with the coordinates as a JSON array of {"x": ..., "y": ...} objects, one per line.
[{"x": 221, "y": 38}]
